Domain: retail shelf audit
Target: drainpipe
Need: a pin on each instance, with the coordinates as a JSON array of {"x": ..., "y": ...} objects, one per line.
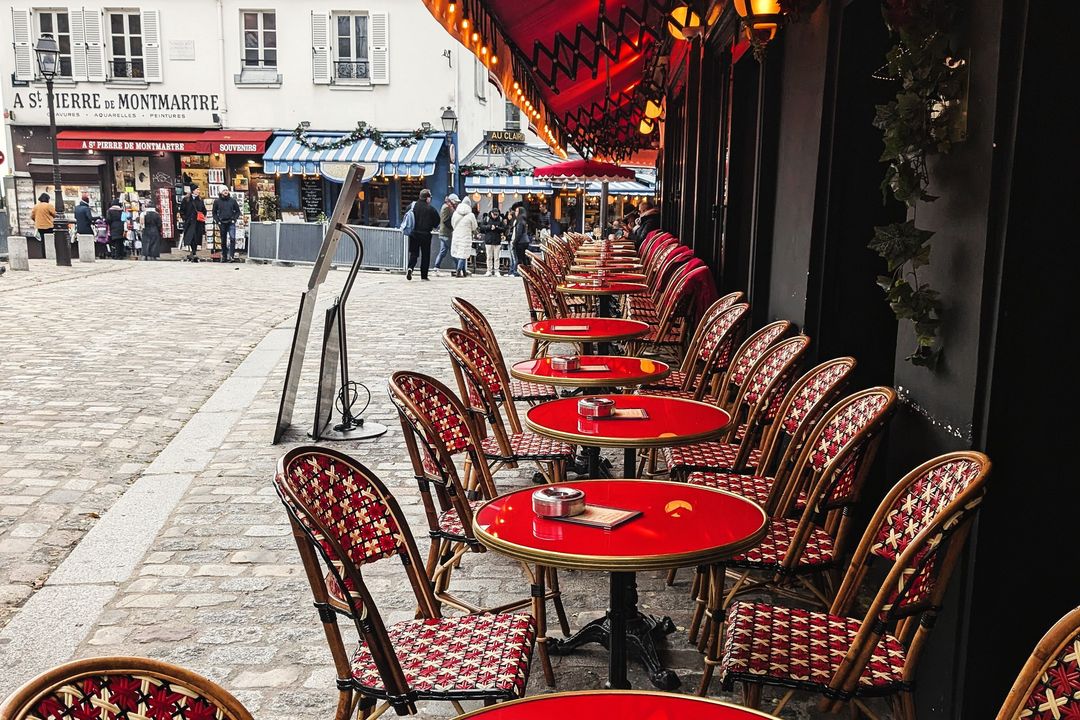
[{"x": 224, "y": 66}]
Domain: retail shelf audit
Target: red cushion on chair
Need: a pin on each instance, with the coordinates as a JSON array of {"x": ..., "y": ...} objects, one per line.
[
  {"x": 751, "y": 487},
  {"x": 528, "y": 446},
  {"x": 472, "y": 656},
  {"x": 770, "y": 552},
  {"x": 706, "y": 456},
  {"x": 792, "y": 646},
  {"x": 525, "y": 391},
  {"x": 450, "y": 521}
]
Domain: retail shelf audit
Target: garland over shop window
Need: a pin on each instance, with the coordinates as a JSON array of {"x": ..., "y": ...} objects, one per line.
[{"x": 920, "y": 121}]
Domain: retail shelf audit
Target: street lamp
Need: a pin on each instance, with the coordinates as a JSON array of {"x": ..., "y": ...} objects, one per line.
[
  {"x": 48, "y": 59},
  {"x": 450, "y": 125}
]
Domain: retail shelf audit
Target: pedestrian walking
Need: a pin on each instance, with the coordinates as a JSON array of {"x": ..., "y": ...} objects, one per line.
[
  {"x": 43, "y": 214},
  {"x": 193, "y": 213},
  {"x": 519, "y": 240},
  {"x": 84, "y": 219},
  {"x": 151, "y": 234},
  {"x": 465, "y": 225},
  {"x": 446, "y": 228},
  {"x": 226, "y": 213},
  {"x": 425, "y": 219},
  {"x": 115, "y": 219},
  {"x": 493, "y": 230}
]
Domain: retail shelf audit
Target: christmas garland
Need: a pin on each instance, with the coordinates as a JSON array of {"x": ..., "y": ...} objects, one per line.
[
  {"x": 363, "y": 131},
  {"x": 483, "y": 170},
  {"x": 919, "y": 122}
]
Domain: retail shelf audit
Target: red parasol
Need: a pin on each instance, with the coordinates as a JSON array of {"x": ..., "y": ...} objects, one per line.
[{"x": 587, "y": 171}]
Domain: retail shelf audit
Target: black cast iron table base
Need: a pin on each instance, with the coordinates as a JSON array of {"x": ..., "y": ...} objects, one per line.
[{"x": 624, "y": 631}]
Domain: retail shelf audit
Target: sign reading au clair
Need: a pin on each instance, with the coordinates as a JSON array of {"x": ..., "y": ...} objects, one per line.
[{"x": 144, "y": 107}]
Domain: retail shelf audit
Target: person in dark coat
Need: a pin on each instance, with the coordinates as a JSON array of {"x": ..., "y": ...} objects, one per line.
[
  {"x": 648, "y": 221},
  {"x": 519, "y": 240},
  {"x": 226, "y": 213},
  {"x": 492, "y": 230},
  {"x": 115, "y": 218},
  {"x": 193, "y": 212},
  {"x": 151, "y": 234},
  {"x": 425, "y": 221},
  {"x": 84, "y": 220}
]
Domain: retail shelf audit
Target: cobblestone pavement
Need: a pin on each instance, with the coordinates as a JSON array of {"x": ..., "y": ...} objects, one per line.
[
  {"x": 100, "y": 365},
  {"x": 221, "y": 589}
]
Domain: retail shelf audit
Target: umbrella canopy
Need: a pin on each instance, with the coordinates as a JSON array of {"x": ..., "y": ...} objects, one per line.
[{"x": 585, "y": 171}]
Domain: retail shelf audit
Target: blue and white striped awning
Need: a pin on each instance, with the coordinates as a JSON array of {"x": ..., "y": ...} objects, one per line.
[
  {"x": 507, "y": 184},
  {"x": 628, "y": 187},
  {"x": 286, "y": 155}
]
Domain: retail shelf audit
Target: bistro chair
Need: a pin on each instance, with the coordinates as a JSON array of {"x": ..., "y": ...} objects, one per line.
[
  {"x": 480, "y": 381},
  {"x": 744, "y": 359},
  {"x": 717, "y": 328},
  {"x": 437, "y": 428},
  {"x": 668, "y": 333},
  {"x": 540, "y": 305},
  {"x": 1048, "y": 687},
  {"x": 344, "y": 518},
  {"x": 918, "y": 533},
  {"x": 474, "y": 322},
  {"x": 756, "y": 405},
  {"x": 808, "y": 532},
  {"x": 117, "y": 688}
]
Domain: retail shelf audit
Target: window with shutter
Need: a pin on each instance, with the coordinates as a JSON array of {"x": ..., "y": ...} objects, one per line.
[
  {"x": 380, "y": 48},
  {"x": 126, "y": 58},
  {"x": 320, "y": 48},
  {"x": 352, "y": 61},
  {"x": 58, "y": 24},
  {"x": 24, "y": 51},
  {"x": 151, "y": 26},
  {"x": 93, "y": 51}
]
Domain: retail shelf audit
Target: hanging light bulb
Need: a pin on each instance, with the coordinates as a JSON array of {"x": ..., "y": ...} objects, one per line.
[
  {"x": 646, "y": 126},
  {"x": 453, "y": 6},
  {"x": 653, "y": 109},
  {"x": 484, "y": 50},
  {"x": 464, "y": 23},
  {"x": 761, "y": 18},
  {"x": 685, "y": 23},
  {"x": 494, "y": 59},
  {"x": 475, "y": 36}
]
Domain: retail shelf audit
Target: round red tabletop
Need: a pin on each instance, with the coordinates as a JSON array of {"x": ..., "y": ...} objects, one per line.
[
  {"x": 621, "y": 371},
  {"x": 628, "y": 704},
  {"x": 610, "y": 264},
  {"x": 668, "y": 421},
  {"x": 611, "y": 288},
  {"x": 613, "y": 253},
  {"x": 585, "y": 329},
  {"x": 679, "y": 525},
  {"x": 587, "y": 277}
]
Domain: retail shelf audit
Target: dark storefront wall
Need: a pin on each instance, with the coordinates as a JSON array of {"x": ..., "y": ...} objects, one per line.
[{"x": 821, "y": 276}]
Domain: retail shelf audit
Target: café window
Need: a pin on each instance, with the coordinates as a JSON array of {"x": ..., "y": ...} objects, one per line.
[
  {"x": 126, "y": 57},
  {"x": 513, "y": 116},
  {"x": 260, "y": 38},
  {"x": 58, "y": 24},
  {"x": 351, "y": 58}
]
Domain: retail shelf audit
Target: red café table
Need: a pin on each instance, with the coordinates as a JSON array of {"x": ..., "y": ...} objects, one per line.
[
  {"x": 588, "y": 277},
  {"x": 621, "y": 371},
  {"x": 679, "y": 525},
  {"x": 586, "y": 331},
  {"x": 628, "y": 704},
  {"x": 606, "y": 292}
]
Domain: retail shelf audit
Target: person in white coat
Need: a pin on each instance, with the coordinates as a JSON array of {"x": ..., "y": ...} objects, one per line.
[{"x": 465, "y": 225}]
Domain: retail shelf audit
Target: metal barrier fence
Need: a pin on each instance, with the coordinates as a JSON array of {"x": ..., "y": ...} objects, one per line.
[{"x": 384, "y": 248}]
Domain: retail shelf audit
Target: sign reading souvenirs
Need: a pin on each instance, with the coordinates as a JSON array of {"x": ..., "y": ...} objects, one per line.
[
  {"x": 105, "y": 106},
  {"x": 499, "y": 142}
]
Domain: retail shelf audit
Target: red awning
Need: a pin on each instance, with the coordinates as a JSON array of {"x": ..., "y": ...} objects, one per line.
[{"x": 211, "y": 141}]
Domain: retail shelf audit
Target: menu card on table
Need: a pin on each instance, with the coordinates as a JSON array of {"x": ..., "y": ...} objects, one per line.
[
  {"x": 570, "y": 328},
  {"x": 594, "y": 368},
  {"x": 599, "y": 516},
  {"x": 630, "y": 414}
]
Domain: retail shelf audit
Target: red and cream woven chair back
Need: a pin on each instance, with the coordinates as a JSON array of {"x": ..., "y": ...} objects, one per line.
[
  {"x": 1048, "y": 687},
  {"x": 343, "y": 515},
  {"x": 708, "y": 356},
  {"x": 806, "y": 400},
  {"x": 541, "y": 303},
  {"x": 920, "y": 529},
  {"x": 118, "y": 688},
  {"x": 762, "y": 393},
  {"x": 745, "y": 357},
  {"x": 479, "y": 378}
]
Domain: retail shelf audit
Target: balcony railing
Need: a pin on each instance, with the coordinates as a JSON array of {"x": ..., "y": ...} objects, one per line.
[
  {"x": 127, "y": 69},
  {"x": 352, "y": 70}
]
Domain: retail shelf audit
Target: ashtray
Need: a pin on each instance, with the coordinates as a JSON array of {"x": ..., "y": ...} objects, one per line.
[
  {"x": 565, "y": 363},
  {"x": 595, "y": 407},
  {"x": 598, "y": 281},
  {"x": 558, "y": 501}
]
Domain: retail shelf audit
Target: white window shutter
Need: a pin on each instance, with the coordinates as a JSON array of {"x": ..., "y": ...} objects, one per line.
[
  {"x": 151, "y": 28},
  {"x": 320, "y": 48},
  {"x": 93, "y": 26},
  {"x": 24, "y": 44},
  {"x": 78, "y": 45},
  {"x": 380, "y": 48}
]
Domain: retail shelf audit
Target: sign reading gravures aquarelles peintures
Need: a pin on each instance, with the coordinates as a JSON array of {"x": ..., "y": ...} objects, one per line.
[{"x": 142, "y": 107}]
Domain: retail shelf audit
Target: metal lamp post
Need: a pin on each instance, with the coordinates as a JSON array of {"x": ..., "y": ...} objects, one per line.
[
  {"x": 48, "y": 59},
  {"x": 450, "y": 125}
]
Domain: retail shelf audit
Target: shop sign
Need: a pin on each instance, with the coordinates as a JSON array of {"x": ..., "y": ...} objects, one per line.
[
  {"x": 166, "y": 208},
  {"x": 106, "y": 106},
  {"x": 500, "y": 142}
]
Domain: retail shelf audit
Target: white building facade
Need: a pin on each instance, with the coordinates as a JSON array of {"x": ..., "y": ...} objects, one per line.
[{"x": 164, "y": 95}]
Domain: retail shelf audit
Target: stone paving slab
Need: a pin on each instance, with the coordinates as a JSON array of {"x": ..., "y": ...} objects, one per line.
[{"x": 221, "y": 589}]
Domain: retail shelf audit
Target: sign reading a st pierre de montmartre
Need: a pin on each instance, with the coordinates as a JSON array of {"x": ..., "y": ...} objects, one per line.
[{"x": 112, "y": 106}]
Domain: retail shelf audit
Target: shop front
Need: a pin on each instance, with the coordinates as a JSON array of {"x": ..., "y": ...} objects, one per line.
[{"x": 308, "y": 180}]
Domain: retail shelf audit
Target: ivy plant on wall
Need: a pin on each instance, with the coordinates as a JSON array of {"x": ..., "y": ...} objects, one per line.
[{"x": 920, "y": 121}]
